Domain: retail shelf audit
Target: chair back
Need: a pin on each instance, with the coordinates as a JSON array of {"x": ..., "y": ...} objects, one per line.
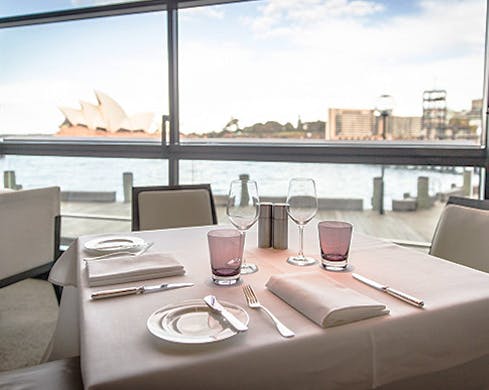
[
  {"x": 29, "y": 230},
  {"x": 462, "y": 233},
  {"x": 166, "y": 207}
]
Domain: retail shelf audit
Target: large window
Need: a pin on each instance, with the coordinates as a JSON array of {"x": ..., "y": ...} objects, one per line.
[
  {"x": 100, "y": 78},
  {"x": 381, "y": 102},
  {"x": 333, "y": 71},
  {"x": 412, "y": 200},
  {"x": 95, "y": 192}
]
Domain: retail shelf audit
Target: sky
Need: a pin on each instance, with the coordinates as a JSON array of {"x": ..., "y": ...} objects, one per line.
[{"x": 255, "y": 61}]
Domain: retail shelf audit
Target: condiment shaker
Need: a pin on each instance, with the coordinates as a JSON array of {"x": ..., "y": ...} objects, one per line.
[
  {"x": 280, "y": 226},
  {"x": 265, "y": 225}
]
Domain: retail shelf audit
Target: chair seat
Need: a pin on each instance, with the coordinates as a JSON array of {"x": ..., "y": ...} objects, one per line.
[{"x": 56, "y": 375}]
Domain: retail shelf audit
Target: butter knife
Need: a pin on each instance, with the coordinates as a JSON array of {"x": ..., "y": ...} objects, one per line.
[
  {"x": 389, "y": 290},
  {"x": 213, "y": 303},
  {"x": 117, "y": 292}
]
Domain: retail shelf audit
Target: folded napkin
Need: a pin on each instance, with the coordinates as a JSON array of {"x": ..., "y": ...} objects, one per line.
[
  {"x": 323, "y": 300},
  {"x": 131, "y": 268}
]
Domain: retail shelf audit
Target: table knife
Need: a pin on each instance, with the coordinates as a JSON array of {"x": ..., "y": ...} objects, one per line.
[
  {"x": 391, "y": 291},
  {"x": 212, "y": 302},
  {"x": 117, "y": 292}
]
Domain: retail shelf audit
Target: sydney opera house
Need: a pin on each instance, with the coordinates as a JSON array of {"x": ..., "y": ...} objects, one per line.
[{"x": 105, "y": 118}]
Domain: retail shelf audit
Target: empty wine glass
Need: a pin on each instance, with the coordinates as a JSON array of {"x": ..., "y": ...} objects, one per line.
[
  {"x": 242, "y": 210},
  {"x": 303, "y": 205}
]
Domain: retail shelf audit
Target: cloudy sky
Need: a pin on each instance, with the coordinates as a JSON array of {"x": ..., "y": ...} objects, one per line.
[{"x": 254, "y": 61}]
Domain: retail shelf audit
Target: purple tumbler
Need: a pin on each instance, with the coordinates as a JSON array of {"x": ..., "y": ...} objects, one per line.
[
  {"x": 334, "y": 239},
  {"x": 226, "y": 253}
]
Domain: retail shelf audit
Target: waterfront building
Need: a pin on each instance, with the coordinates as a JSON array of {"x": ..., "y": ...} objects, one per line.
[
  {"x": 405, "y": 127},
  {"x": 106, "y": 117},
  {"x": 351, "y": 124}
]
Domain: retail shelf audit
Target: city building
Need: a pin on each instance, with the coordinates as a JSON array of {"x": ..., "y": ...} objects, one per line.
[
  {"x": 405, "y": 127},
  {"x": 351, "y": 124}
]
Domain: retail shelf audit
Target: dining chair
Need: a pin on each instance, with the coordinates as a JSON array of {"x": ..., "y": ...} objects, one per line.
[
  {"x": 29, "y": 234},
  {"x": 163, "y": 207},
  {"x": 462, "y": 233},
  {"x": 59, "y": 374}
]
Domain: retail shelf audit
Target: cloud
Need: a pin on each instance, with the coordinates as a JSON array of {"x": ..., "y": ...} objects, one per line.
[{"x": 297, "y": 14}]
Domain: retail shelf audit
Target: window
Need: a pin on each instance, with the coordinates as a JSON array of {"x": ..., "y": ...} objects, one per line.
[
  {"x": 99, "y": 78},
  {"x": 327, "y": 71}
]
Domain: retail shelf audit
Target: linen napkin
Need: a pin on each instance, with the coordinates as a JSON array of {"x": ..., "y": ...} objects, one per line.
[
  {"x": 322, "y": 299},
  {"x": 132, "y": 268}
]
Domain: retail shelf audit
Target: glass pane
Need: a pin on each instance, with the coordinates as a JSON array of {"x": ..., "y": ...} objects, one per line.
[
  {"x": 92, "y": 189},
  {"x": 325, "y": 71},
  {"x": 22, "y": 7},
  {"x": 103, "y": 78},
  {"x": 413, "y": 196}
]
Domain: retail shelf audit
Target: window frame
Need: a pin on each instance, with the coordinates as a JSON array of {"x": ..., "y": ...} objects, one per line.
[{"x": 391, "y": 153}]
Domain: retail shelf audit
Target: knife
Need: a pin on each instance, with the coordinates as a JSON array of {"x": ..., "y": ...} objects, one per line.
[
  {"x": 117, "y": 292},
  {"x": 212, "y": 302},
  {"x": 391, "y": 291}
]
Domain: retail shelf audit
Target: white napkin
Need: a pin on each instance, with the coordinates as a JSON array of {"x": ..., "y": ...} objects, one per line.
[
  {"x": 131, "y": 268},
  {"x": 323, "y": 300}
]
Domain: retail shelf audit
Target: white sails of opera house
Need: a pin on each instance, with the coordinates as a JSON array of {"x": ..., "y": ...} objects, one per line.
[{"x": 107, "y": 116}]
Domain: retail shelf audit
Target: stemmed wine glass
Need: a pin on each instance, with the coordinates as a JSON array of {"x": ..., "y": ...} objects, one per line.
[
  {"x": 242, "y": 210},
  {"x": 303, "y": 205}
]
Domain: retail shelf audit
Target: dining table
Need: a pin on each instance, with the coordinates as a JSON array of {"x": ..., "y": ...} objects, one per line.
[{"x": 444, "y": 344}]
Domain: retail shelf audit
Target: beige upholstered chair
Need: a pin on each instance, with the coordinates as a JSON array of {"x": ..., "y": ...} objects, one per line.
[
  {"x": 29, "y": 233},
  {"x": 56, "y": 375},
  {"x": 462, "y": 233},
  {"x": 172, "y": 207}
]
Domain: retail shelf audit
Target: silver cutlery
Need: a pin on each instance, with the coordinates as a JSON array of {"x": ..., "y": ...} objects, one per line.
[
  {"x": 255, "y": 304},
  {"x": 144, "y": 248},
  {"x": 117, "y": 292},
  {"x": 389, "y": 290},
  {"x": 214, "y": 304}
]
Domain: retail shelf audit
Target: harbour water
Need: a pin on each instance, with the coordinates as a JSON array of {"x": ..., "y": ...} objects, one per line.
[{"x": 333, "y": 180}]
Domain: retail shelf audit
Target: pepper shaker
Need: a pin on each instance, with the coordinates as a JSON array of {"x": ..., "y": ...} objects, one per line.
[
  {"x": 280, "y": 226},
  {"x": 265, "y": 225}
]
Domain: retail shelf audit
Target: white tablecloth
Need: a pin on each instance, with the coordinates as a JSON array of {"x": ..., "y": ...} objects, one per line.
[{"x": 118, "y": 352}]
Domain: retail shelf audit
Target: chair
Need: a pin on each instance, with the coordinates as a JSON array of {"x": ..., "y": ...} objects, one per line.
[
  {"x": 462, "y": 233},
  {"x": 166, "y": 207},
  {"x": 59, "y": 375},
  {"x": 29, "y": 234}
]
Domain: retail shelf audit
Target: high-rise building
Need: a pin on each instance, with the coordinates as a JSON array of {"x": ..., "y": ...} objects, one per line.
[
  {"x": 405, "y": 127},
  {"x": 350, "y": 124}
]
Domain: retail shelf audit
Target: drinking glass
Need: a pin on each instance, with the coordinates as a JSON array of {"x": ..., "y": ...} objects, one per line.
[
  {"x": 334, "y": 241},
  {"x": 226, "y": 254},
  {"x": 303, "y": 205},
  {"x": 242, "y": 210}
]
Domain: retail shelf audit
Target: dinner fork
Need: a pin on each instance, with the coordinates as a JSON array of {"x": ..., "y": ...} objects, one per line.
[
  {"x": 255, "y": 304},
  {"x": 122, "y": 253}
]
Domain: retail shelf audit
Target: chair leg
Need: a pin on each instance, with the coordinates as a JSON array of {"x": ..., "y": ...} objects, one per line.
[{"x": 58, "y": 290}]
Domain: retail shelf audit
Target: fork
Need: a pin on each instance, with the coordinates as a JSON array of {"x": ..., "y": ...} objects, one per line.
[
  {"x": 122, "y": 253},
  {"x": 255, "y": 304}
]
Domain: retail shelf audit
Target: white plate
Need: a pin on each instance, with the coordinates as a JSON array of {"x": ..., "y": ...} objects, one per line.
[
  {"x": 193, "y": 322},
  {"x": 107, "y": 244}
]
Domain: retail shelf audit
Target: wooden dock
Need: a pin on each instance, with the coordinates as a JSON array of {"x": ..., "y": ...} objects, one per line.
[{"x": 417, "y": 226}]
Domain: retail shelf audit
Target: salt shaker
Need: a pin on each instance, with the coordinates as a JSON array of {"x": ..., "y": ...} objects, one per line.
[
  {"x": 280, "y": 226},
  {"x": 265, "y": 225}
]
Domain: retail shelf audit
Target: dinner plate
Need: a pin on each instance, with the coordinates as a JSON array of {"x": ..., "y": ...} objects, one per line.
[
  {"x": 114, "y": 243},
  {"x": 193, "y": 322}
]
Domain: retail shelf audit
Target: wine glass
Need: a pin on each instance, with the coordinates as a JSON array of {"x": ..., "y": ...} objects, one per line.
[
  {"x": 242, "y": 210},
  {"x": 303, "y": 205}
]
